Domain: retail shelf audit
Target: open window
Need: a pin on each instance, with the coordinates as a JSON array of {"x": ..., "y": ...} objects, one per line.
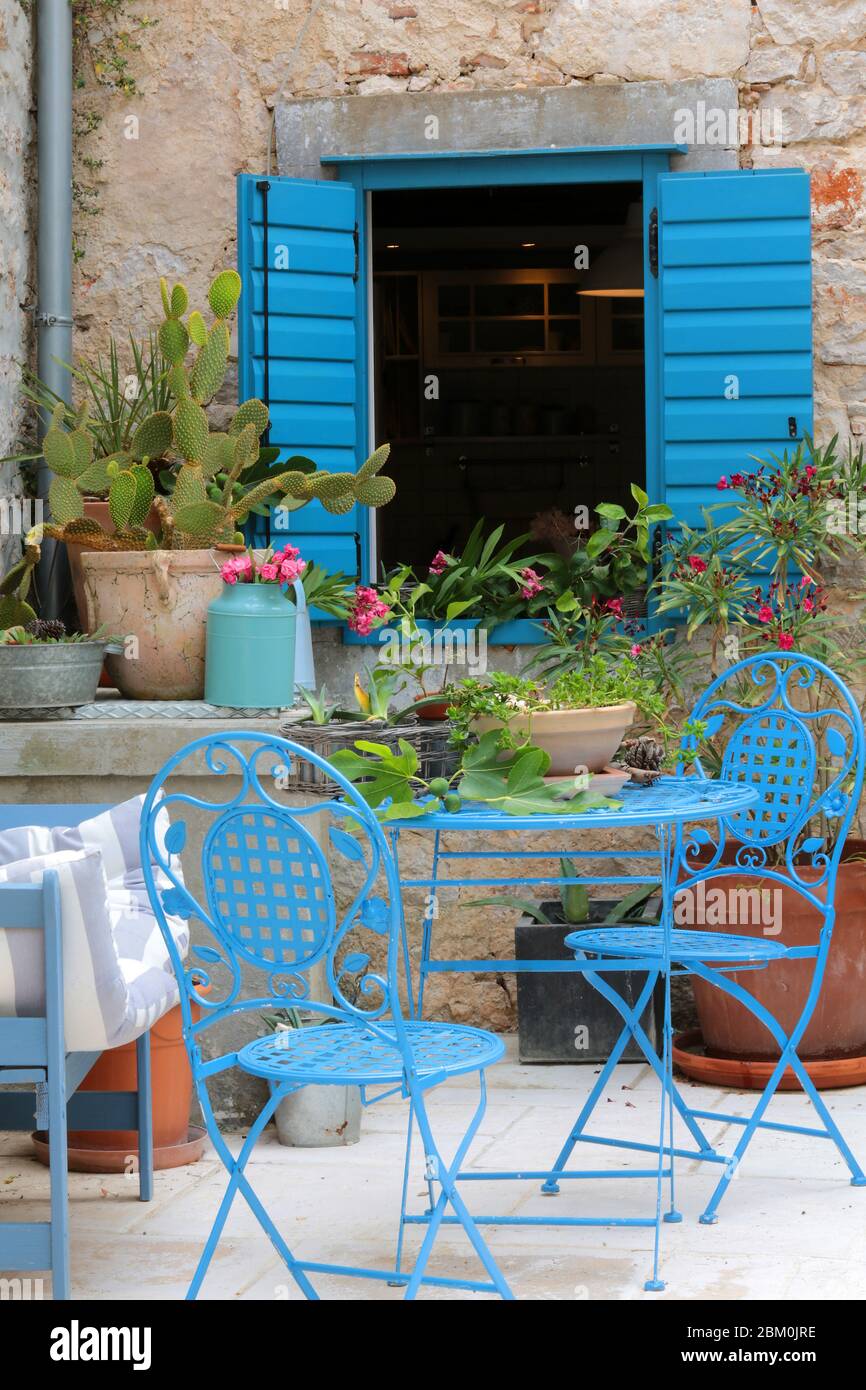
[
  {"x": 447, "y": 304},
  {"x": 509, "y": 381}
]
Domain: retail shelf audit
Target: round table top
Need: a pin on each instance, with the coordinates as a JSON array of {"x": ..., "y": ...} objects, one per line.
[{"x": 668, "y": 801}]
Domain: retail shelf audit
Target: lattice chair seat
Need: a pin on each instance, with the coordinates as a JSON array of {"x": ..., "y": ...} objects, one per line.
[
  {"x": 685, "y": 945},
  {"x": 352, "y": 1054}
]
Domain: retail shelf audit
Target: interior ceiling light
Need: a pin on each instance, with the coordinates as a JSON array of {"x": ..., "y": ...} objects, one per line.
[
  {"x": 392, "y": 246},
  {"x": 526, "y": 244},
  {"x": 617, "y": 271}
]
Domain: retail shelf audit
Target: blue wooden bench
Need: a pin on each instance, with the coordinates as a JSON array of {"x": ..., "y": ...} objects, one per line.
[{"x": 32, "y": 1053}]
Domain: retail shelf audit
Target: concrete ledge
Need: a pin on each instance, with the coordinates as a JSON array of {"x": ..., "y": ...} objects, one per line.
[{"x": 590, "y": 113}]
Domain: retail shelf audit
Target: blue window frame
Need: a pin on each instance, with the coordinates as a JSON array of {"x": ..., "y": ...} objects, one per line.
[{"x": 727, "y": 295}]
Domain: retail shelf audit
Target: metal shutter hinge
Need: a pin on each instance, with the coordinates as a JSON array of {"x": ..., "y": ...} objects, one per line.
[{"x": 654, "y": 242}]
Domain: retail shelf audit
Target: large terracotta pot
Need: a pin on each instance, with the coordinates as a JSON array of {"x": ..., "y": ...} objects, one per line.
[
  {"x": 838, "y": 1025},
  {"x": 97, "y": 511},
  {"x": 160, "y": 598},
  {"x": 574, "y": 738},
  {"x": 174, "y": 1141},
  {"x": 171, "y": 1086}
]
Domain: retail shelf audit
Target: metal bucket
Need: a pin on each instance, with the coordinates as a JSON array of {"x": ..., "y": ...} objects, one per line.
[
  {"x": 48, "y": 682},
  {"x": 319, "y": 1117}
]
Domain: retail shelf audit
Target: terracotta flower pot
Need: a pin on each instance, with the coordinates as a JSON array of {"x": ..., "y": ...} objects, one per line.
[
  {"x": 98, "y": 511},
  {"x": 838, "y": 1025},
  {"x": 573, "y": 737},
  {"x": 174, "y": 1141},
  {"x": 160, "y": 598}
]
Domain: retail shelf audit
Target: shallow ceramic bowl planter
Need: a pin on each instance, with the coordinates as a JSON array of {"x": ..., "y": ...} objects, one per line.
[
  {"x": 48, "y": 681},
  {"x": 160, "y": 598},
  {"x": 573, "y": 737}
]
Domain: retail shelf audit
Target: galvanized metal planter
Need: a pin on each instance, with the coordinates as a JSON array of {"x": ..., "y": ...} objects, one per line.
[
  {"x": 50, "y": 681},
  {"x": 319, "y": 1117}
]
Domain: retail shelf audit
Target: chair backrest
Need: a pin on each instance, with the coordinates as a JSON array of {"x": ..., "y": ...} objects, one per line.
[
  {"x": 790, "y": 728},
  {"x": 271, "y": 906}
]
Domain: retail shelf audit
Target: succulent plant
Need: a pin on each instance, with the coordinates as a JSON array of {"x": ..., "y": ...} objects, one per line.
[
  {"x": 222, "y": 475},
  {"x": 125, "y": 477},
  {"x": 42, "y": 628},
  {"x": 15, "y": 611}
]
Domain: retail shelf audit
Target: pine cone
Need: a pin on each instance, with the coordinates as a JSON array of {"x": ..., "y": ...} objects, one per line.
[
  {"x": 646, "y": 753},
  {"x": 41, "y": 628}
]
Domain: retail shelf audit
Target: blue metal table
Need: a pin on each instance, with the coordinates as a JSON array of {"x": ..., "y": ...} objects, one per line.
[{"x": 665, "y": 808}]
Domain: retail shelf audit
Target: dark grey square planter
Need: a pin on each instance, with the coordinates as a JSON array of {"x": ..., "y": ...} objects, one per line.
[{"x": 561, "y": 1017}]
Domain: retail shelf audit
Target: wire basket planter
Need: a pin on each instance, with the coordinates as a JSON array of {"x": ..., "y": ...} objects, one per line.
[{"x": 429, "y": 738}]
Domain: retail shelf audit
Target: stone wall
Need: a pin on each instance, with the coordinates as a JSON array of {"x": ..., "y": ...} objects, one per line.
[
  {"x": 210, "y": 76},
  {"x": 15, "y": 202}
]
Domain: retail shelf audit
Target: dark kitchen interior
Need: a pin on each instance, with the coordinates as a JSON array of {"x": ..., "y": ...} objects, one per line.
[{"x": 536, "y": 403}]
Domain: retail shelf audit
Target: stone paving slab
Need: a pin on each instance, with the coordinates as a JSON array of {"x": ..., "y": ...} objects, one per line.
[{"x": 790, "y": 1226}]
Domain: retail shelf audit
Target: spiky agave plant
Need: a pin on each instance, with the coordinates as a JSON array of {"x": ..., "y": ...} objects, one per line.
[{"x": 222, "y": 475}]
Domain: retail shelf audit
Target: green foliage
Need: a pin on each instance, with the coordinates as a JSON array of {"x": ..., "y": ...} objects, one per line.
[
  {"x": 482, "y": 578},
  {"x": 321, "y": 710},
  {"x": 15, "y": 585},
  {"x": 222, "y": 477},
  {"x": 516, "y": 784}
]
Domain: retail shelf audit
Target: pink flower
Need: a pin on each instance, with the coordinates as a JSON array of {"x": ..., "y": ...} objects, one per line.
[
  {"x": 811, "y": 470},
  {"x": 367, "y": 609},
  {"x": 636, "y": 649},
  {"x": 808, "y": 605},
  {"x": 532, "y": 584},
  {"x": 440, "y": 562},
  {"x": 722, "y": 484},
  {"x": 765, "y": 613},
  {"x": 697, "y": 564},
  {"x": 228, "y": 573},
  {"x": 269, "y": 572},
  {"x": 614, "y": 605},
  {"x": 290, "y": 570},
  {"x": 737, "y": 480},
  {"x": 786, "y": 641}
]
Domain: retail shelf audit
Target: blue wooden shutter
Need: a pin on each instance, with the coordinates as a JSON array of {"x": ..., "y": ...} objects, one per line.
[
  {"x": 735, "y": 290},
  {"x": 306, "y": 355}
]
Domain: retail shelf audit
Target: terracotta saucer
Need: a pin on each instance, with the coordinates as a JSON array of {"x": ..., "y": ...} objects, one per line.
[
  {"x": 95, "y": 1160},
  {"x": 739, "y": 1074}
]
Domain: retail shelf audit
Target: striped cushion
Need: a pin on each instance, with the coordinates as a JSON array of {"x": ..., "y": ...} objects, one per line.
[
  {"x": 135, "y": 967},
  {"x": 94, "y": 992}
]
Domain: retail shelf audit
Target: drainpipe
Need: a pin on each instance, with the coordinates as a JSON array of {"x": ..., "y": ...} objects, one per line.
[{"x": 53, "y": 247}]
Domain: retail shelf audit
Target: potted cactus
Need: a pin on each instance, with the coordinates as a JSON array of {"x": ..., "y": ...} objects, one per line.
[{"x": 156, "y": 587}]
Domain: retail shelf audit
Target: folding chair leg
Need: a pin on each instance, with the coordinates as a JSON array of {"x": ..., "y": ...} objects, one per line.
[
  {"x": 858, "y": 1177},
  {"x": 449, "y": 1196},
  {"x": 238, "y": 1183},
  {"x": 632, "y": 1028},
  {"x": 145, "y": 1118},
  {"x": 788, "y": 1058}
]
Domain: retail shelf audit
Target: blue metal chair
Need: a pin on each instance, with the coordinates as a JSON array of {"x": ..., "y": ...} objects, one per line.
[
  {"x": 770, "y": 713},
  {"x": 32, "y": 1053},
  {"x": 271, "y": 915}
]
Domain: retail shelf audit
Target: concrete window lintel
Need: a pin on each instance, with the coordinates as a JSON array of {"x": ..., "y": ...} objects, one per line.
[{"x": 588, "y": 114}]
